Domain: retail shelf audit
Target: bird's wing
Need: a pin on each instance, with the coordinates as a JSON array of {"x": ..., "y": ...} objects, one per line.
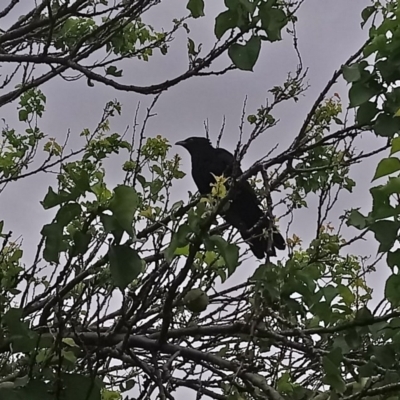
[
  {"x": 227, "y": 159},
  {"x": 244, "y": 211}
]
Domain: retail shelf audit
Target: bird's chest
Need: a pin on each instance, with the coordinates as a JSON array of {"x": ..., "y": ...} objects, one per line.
[{"x": 203, "y": 171}]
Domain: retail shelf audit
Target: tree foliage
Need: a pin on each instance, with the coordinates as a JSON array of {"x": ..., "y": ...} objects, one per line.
[
  {"x": 123, "y": 297},
  {"x": 67, "y": 36}
]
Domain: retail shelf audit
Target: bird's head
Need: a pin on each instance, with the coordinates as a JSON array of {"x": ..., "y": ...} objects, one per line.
[{"x": 194, "y": 143}]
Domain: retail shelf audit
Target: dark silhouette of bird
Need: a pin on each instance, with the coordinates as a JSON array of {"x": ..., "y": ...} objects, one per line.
[{"x": 244, "y": 211}]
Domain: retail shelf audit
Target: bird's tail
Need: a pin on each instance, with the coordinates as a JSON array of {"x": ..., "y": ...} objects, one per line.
[{"x": 259, "y": 243}]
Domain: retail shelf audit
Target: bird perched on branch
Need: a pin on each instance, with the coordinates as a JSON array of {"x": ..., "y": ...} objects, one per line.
[{"x": 244, "y": 211}]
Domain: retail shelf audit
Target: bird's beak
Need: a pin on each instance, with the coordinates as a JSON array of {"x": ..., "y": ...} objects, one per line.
[{"x": 180, "y": 143}]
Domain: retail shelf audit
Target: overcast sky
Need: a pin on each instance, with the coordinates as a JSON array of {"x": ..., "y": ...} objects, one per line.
[{"x": 329, "y": 32}]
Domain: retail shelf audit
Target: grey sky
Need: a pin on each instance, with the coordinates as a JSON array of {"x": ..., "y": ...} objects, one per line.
[{"x": 329, "y": 32}]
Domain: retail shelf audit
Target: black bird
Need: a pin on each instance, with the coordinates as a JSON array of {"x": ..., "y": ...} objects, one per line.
[{"x": 244, "y": 209}]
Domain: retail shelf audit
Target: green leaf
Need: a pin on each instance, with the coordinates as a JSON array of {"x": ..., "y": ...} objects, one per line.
[
  {"x": 385, "y": 233},
  {"x": 109, "y": 222},
  {"x": 248, "y": 5},
  {"x": 182, "y": 251},
  {"x": 330, "y": 292},
  {"x": 12, "y": 318},
  {"x": 245, "y": 56},
  {"x": 196, "y": 8},
  {"x": 335, "y": 381},
  {"x": 54, "y": 242},
  {"x": 231, "y": 257},
  {"x": 360, "y": 93},
  {"x": 391, "y": 187},
  {"x": 392, "y": 292},
  {"x": 381, "y": 207},
  {"x": 368, "y": 369},
  {"x": 321, "y": 309},
  {"x": 351, "y": 73},
  {"x": 69, "y": 356},
  {"x": 353, "y": 338},
  {"x": 125, "y": 265},
  {"x": 387, "y": 166},
  {"x": 388, "y": 69},
  {"x": 346, "y": 294},
  {"x": 70, "y": 342},
  {"x": 228, "y": 251},
  {"x": 89, "y": 387},
  {"x": 191, "y": 51},
  {"x": 53, "y": 199},
  {"x": 386, "y": 125},
  {"x": 81, "y": 180},
  {"x": 377, "y": 330},
  {"x": 23, "y": 115},
  {"x": 393, "y": 259},
  {"x": 284, "y": 384},
  {"x": 273, "y": 20},
  {"x": 378, "y": 43},
  {"x": 81, "y": 243},
  {"x": 356, "y": 219},
  {"x": 385, "y": 354},
  {"x": 331, "y": 364},
  {"x": 366, "y": 13},
  {"x": 110, "y": 395},
  {"x": 394, "y": 148},
  {"x": 114, "y": 71},
  {"x": 232, "y": 4},
  {"x": 225, "y": 21},
  {"x": 34, "y": 390},
  {"x": 366, "y": 113},
  {"x": 339, "y": 341},
  {"x": 111, "y": 225},
  {"x": 16, "y": 255},
  {"x": 67, "y": 213},
  {"x": 179, "y": 239},
  {"x": 123, "y": 206},
  {"x": 363, "y": 314},
  {"x": 21, "y": 337}
]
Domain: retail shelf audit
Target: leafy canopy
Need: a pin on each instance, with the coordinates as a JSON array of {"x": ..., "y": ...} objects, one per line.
[{"x": 123, "y": 296}]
